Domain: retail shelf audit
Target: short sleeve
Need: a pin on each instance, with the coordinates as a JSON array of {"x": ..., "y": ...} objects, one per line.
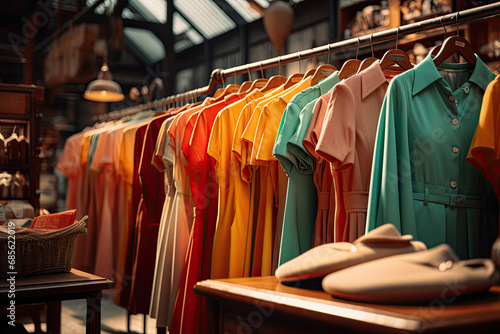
[
  {"x": 274, "y": 113},
  {"x": 337, "y": 140},
  {"x": 484, "y": 152},
  {"x": 69, "y": 162},
  {"x": 214, "y": 141},
  {"x": 314, "y": 130},
  {"x": 304, "y": 161},
  {"x": 286, "y": 130},
  {"x": 156, "y": 160}
]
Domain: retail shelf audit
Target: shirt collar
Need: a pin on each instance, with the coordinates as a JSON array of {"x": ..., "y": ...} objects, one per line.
[
  {"x": 371, "y": 78},
  {"x": 327, "y": 83},
  {"x": 426, "y": 73},
  {"x": 255, "y": 94}
]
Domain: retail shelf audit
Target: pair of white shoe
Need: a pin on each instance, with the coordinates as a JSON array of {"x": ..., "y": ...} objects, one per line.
[{"x": 383, "y": 266}]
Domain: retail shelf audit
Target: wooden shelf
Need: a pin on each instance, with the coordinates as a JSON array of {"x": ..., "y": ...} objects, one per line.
[
  {"x": 19, "y": 106},
  {"x": 369, "y": 31},
  {"x": 14, "y": 166}
]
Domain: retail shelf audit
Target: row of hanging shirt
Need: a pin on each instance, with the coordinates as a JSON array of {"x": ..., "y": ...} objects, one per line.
[{"x": 246, "y": 181}]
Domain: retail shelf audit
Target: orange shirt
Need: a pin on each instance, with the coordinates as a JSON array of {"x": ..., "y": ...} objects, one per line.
[{"x": 484, "y": 151}]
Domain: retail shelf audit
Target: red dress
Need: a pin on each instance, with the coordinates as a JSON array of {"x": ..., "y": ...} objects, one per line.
[{"x": 189, "y": 310}]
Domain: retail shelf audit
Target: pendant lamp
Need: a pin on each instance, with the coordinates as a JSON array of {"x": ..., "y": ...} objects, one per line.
[
  {"x": 278, "y": 21},
  {"x": 104, "y": 89}
]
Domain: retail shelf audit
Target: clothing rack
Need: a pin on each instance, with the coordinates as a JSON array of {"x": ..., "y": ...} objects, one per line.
[{"x": 218, "y": 76}]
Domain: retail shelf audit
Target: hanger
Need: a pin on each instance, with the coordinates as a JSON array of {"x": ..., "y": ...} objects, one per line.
[
  {"x": 452, "y": 45},
  {"x": 275, "y": 81},
  {"x": 224, "y": 91},
  {"x": 13, "y": 136},
  {"x": 368, "y": 61},
  {"x": 309, "y": 72},
  {"x": 294, "y": 78},
  {"x": 231, "y": 88},
  {"x": 245, "y": 86},
  {"x": 396, "y": 57},
  {"x": 257, "y": 83},
  {"x": 350, "y": 67},
  {"x": 323, "y": 71}
]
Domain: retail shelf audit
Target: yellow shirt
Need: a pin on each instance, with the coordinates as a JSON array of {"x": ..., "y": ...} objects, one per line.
[
  {"x": 260, "y": 134},
  {"x": 269, "y": 122},
  {"x": 228, "y": 255},
  {"x": 242, "y": 153}
]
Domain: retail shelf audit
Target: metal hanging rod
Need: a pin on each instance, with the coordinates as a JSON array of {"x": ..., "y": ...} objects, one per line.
[
  {"x": 468, "y": 15},
  {"x": 218, "y": 76}
]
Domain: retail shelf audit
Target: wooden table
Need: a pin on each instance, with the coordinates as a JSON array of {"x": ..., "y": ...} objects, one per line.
[
  {"x": 53, "y": 288},
  {"x": 263, "y": 305}
]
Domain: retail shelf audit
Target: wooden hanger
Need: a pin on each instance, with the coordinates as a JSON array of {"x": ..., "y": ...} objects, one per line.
[
  {"x": 309, "y": 72},
  {"x": 350, "y": 67},
  {"x": 274, "y": 82},
  {"x": 322, "y": 72},
  {"x": 257, "y": 83},
  {"x": 244, "y": 87},
  {"x": 452, "y": 45},
  {"x": 396, "y": 57},
  {"x": 229, "y": 89},
  {"x": 293, "y": 79},
  {"x": 367, "y": 61}
]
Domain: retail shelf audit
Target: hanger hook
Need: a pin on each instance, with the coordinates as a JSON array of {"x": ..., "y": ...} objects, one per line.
[
  {"x": 222, "y": 79},
  {"x": 456, "y": 20},
  {"x": 357, "y": 50},
  {"x": 444, "y": 28},
  {"x": 249, "y": 75},
  {"x": 329, "y": 52},
  {"x": 261, "y": 70},
  {"x": 279, "y": 65},
  {"x": 397, "y": 37},
  {"x": 371, "y": 44},
  {"x": 300, "y": 58},
  {"x": 234, "y": 75}
]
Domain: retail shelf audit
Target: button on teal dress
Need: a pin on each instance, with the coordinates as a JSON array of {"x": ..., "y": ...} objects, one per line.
[
  {"x": 301, "y": 200},
  {"x": 421, "y": 181}
]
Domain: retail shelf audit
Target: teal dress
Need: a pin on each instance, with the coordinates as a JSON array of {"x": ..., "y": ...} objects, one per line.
[
  {"x": 421, "y": 181},
  {"x": 301, "y": 203}
]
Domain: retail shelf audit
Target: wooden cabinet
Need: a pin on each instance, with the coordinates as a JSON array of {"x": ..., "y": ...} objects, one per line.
[{"x": 20, "y": 142}]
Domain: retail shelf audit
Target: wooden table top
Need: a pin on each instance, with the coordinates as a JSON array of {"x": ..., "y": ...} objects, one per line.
[
  {"x": 478, "y": 309},
  {"x": 52, "y": 284}
]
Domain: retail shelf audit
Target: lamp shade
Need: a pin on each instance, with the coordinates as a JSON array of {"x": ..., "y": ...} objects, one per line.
[{"x": 104, "y": 89}]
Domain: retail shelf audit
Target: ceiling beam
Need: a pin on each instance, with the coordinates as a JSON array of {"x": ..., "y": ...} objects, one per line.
[
  {"x": 190, "y": 23},
  {"x": 231, "y": 12},
  {"x": 75, "y": 19}
]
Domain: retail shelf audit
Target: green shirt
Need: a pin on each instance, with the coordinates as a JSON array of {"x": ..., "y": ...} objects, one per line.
[
  {"x": 421, "y": 181},
  {"x": 301, "y": 200}
]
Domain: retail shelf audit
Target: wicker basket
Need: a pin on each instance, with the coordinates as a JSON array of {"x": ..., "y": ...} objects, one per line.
[{"x": 41, "y": 253}]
